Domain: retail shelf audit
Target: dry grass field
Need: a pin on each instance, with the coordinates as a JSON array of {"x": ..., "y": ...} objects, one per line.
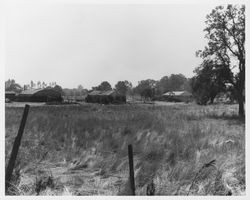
[{"x": 82, "y": 149}]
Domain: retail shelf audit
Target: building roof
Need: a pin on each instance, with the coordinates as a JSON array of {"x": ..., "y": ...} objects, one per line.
[
  {"x": 109, "y": 92},
  {"x": 97, "y": 92},
  {"x": 10, "y": 92},
  {"x": 33, "y": 91},
  {"x": 178, "y": 93},
  {"x": 30, "y": 92}
]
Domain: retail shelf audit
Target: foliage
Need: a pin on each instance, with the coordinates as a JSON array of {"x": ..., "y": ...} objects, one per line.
[
  {"x": 162, "y": 86},
  {"x": 123, "y": 87},
  {"x": 146, "y": 88},
  {"x": 79, "y": 91},
  {"x": 225, "y": 31},
  {"x": 175, "y": 82},
  {"x": 208, "y": 82},
  {"x": 87, "y": 149},
  {"x": 104, "y": 86},
  {"x": 11, "y": 85},
  {"x": 59, "y": 89}
]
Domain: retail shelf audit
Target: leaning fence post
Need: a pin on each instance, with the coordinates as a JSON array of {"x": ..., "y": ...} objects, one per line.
[
  {"x": 15, "y": 148},
  {"x": 131, "y": 169}
]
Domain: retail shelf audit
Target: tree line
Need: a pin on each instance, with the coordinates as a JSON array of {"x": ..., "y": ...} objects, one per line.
[
  {"x": 221, "y": 71},
  {"x": 148, "y": 88},
  {"x": 11, "y": 85}
]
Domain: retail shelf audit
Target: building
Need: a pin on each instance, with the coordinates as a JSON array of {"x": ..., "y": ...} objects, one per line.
[
  {"x": 178, "y": 96},
  {"x": 40, "y": 95},
  {"x": 10, "y": 95},
  {"x": 105, "y": 97}
]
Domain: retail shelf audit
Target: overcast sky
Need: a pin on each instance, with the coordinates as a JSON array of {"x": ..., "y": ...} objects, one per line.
[{"x": 76, "y": 44}]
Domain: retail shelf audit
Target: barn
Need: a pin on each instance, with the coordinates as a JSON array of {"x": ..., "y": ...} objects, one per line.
[
  {"x": 178, "y": 96},
  {"x": 10, "y": 95},
  {"x": 40, "y": 95},
  {"x": 105, "y": 97}
]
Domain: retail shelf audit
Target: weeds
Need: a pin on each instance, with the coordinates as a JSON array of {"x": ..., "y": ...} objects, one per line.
[
  {"x": 169, "y": 143},
  {"x": 206, "y": 165}
]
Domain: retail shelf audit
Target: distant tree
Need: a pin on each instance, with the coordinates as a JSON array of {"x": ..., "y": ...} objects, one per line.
[
  {"x": 25, "y": 87},
  {"x": 104, "y": 86},
  {"x": 208, "y": 82},
  {"x": 175, "y": 82},
  {"x": 146, "y": 88},
  {"x": 148, "y": 93},
  {"x": 162, "y": 85},
  {"x": 80, "y": 90},
  {"x": 59, "y": 89},
  {"x": 32, "y": 84},
  {"x": 80, "y": 87},
  {"x": 44, "y": 85},
  {"x": 38, "y": 84},
  {"x": 225, "y": 31},
  {"x": 68, "y": 92},
  {"x": 123, "y": 87},
  {"x": 187, "y": 85},
  {"x": 11, "y": 85},
  {"x": 28, "y": 86}
]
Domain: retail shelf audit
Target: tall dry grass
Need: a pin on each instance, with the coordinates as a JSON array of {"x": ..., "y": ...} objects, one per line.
[{"x": 84, "y": 149}]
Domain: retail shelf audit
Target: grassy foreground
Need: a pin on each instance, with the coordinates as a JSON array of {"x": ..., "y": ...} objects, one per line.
[{"x": 82, "y": 150}]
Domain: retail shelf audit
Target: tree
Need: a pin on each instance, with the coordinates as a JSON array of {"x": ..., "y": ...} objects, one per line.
[
  {"x": 176, "y": 81},
  {"x": 80, "y": 87},
  {"x": 162, "y": 86},
  {"x": 44, "y": 85},
  {"x": 25, "y": 87},
  {"x": 146, "y": 88},
  {"x": 80, "y": 90},
  {"x": 59, "y": 89},
  {"x": 225, "y": 31},
  {"x": 123, "y": 87},
  {"x": 32, "y": 84},
  {"x": 207, "y": 83},
  {"x": 11, "y": 85},
  {"x": 187, "y": 85},
  {"x": 38, "y": 84},
  {"x": 104, "y": 86}
]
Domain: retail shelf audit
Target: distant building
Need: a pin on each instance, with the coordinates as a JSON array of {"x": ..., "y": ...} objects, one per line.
[
  {"x": 10, "y": 95},
  {"x": 105, "y": 97},
  {"x": 40, "y": 95},
  {"x": 179, "y": 96}
]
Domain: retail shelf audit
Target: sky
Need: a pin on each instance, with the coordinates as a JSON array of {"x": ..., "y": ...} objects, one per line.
[{"x": 74, "y": 44}]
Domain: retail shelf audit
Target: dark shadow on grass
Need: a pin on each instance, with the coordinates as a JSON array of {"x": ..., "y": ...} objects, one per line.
[{"x": 236, "y": 118}]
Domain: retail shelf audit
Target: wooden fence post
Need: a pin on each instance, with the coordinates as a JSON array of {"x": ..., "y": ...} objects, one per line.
[
  {"x": 131, "y": 169},
  {"x": 15, "y": 148}
]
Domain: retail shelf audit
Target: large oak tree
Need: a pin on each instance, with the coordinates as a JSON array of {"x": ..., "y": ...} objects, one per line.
[{"x": 225, "y": 31}]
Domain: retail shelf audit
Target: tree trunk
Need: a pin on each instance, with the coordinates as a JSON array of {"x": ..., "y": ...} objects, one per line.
[
  {"x": 212, "y": 97},
  {"x": 241, "y": 100},
  {"x": 211, "y": 100},
  {"x": 241, "y": 106},
  {"x": 241, "y": 89}
]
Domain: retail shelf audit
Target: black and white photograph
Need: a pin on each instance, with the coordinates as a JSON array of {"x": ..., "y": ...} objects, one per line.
[{"x": 124, "y": 99}]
